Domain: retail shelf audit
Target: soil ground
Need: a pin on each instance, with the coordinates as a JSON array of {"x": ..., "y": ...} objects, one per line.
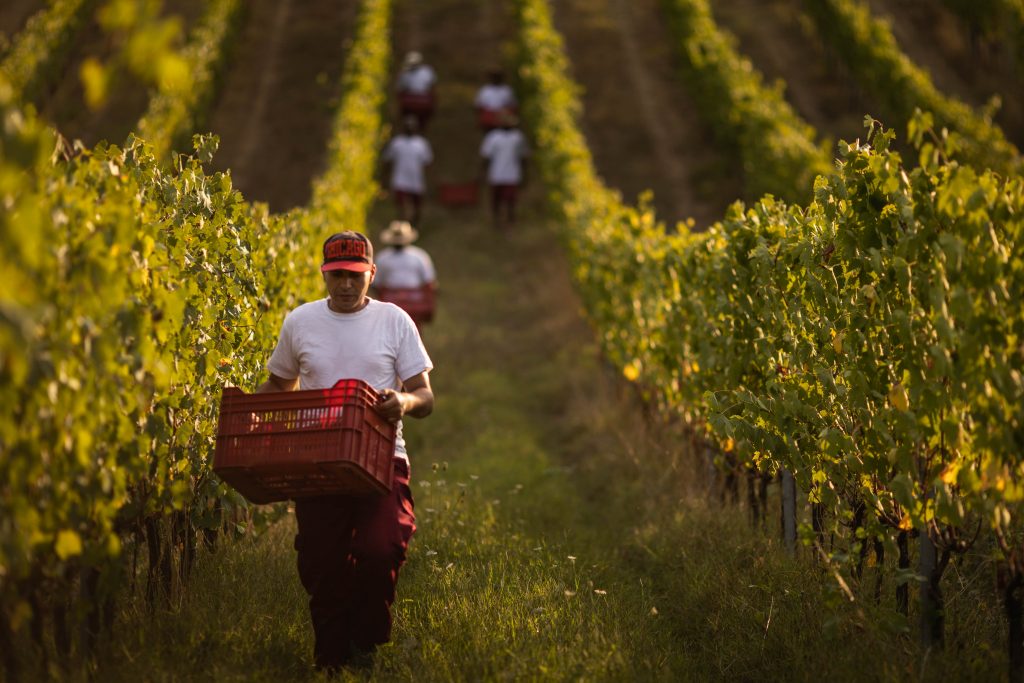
[
  {"x": 13, "y": 15},
  {"x": 937, "y": 41},
  {"x": 63, "y": 103},
  {"x": 642, "y": 127},
  {"x": 780, "y": 40},
  {"x": 276, "y": 104}
]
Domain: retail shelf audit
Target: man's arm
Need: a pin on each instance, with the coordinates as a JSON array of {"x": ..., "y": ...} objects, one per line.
[
  {"x": 416, "y": 399},
  {"x": 275, "y": 383}
]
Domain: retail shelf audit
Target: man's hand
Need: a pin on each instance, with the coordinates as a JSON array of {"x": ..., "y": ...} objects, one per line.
[
  {"x": 417, "y": 400},
  {"x": 275, "y": 383},
  {"x": 391, "y": 406}
]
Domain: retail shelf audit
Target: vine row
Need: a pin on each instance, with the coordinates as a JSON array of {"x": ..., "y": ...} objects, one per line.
[
  {"x": 38, "y": 51},
  {"x": 777, "y": 147},
  {"x": 132, "y": 294},
  {"x": 177, "y": 108},
  {"x": 869, "y": 342},
  {"x": 869, "y": 50}
]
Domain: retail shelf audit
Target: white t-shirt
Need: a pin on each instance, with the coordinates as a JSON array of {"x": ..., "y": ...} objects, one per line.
[
  {"x": 406, "y": 268},
  {"x": 505, "y": 149},
  {"x": 409, "y": 155},
  {"x": 495, "y": 97},
  {"x": 378, "y": 344},
  {"x": 418, "y": 80}
]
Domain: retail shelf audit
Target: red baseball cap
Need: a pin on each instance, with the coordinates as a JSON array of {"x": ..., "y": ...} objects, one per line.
[{"x": 347, "y": 250}]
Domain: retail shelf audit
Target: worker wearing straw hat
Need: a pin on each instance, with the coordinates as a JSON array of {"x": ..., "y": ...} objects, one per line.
[
  {"x": 416, "y": 89},
  {"x": 405, "y": 272}
]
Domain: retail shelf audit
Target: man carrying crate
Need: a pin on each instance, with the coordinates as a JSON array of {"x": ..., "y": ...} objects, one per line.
[
  {"x": 405, "y": 273},
  {"x": 503, "y": 153},
  {"x": 416, "y": 89},
  {"x": 408, "y": 154},
  {"x": 350, "y": 548}
]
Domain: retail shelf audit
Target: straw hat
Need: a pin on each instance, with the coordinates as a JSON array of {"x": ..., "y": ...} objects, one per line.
[
  {"x": 412, "y": 59},
  {"x": 399, "y": 233}
]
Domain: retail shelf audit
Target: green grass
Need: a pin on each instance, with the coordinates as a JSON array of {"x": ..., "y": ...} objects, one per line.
[{"x": 561, "y": 535}]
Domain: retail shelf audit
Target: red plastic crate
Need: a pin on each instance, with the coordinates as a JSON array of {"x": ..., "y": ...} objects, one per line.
[
  {"x": 418, "y": 303},
  {"x": 458, "y": 194},
  {"x": 297, "y": 444},
  {"x": 488, "y": 118},
  {"x": 413, "y": 103}
]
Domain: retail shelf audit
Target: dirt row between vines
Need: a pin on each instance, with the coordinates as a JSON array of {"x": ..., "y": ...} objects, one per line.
[
  {"x": 642, "y": 127},
  {"x": 63, "y": 103},
  {"x": 275, "y": 103},
  {"x": 275, "y": 107},
  {"x": 936, "y": 40},
  {"x": 14, "y": 14}
]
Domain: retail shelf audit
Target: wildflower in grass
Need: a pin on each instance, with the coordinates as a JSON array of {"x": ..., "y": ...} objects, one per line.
[
  {"x": 572, "y": 558},
  {"x": 569, "y": 593},
  {"x": 424, "y": 484},
  {"x": 474, "y": 477},
  {"x": 431, "y": 553},
  {"x": 600, "y": 591},
  {"x": 654, "y": 611}
]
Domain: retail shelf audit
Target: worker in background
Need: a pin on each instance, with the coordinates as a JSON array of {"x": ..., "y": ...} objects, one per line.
[
  {"x": 405, "y": 273},
  {"x": 503, "y": 155},
  {"x": 494, "y": 97},
  {"x": 408, "y": 154},
  {"x": 416, "y": 89}
]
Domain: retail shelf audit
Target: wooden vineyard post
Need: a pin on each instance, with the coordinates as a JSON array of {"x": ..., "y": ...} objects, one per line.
[
  {"x": 789, "y": 511},
  {"x": 932, "y": 618},
  {"x": 1014, "y": 605}
]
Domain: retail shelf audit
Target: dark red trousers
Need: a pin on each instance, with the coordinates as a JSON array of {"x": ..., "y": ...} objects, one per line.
[{"x": 350, "y": 550}]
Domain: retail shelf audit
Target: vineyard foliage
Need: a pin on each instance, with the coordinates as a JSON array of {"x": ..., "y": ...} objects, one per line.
[
  {"x": 868, "y": 48},
  {"x": 179, "y": 105},
  {"x": 37, "y": 54},
  {"x": 870, "y": 342},
  {"x": 132, "y": 293},
  {"x": 779, "y": 153},
  {"x": 342, "y": 195}
]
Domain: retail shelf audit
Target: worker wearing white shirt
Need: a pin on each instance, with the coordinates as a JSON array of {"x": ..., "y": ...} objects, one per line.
[
  {"x": 493, "y": 98},
  {"x": 408, "y": 154},
  {"x": 503, "y": 152},
  {"x": 405, "y": 273},
  {"x": 415, "y": 89}
]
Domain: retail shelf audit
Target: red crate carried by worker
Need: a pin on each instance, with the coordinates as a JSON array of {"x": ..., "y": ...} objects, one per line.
[
  {"x": 297, "y": 444},
  {"x": 418, "y": 303}
]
